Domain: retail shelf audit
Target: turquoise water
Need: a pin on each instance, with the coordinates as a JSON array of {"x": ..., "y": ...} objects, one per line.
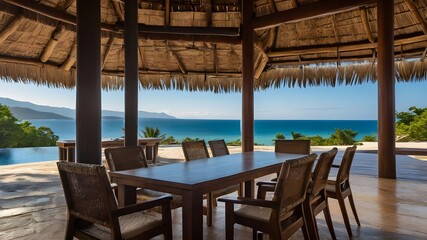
[{"x": 265, "y": 131}]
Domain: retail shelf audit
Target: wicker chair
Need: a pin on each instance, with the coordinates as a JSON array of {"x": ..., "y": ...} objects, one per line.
[
  {"x": 125, "y": 158},
  {"x": 93, "y": 211},
  {"x": 340, "y": 187},
  {"x": 316, "y": 200},
  {"x": 218, "y": 148},
  {"x": 197, "y": 150},
  {"x": 282, "y": 216},
  {"x": 292, "y": 146}
]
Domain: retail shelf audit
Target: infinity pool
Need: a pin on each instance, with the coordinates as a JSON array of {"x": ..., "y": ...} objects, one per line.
[{"x": 10, "y": 156}]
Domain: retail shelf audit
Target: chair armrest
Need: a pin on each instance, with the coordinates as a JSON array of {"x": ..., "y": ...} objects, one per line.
[
  {"x": 263, "y": 188},
  {"x": 163, "y": 200},
  {"x": 266, "y": 183},
  {"x": 250, "y": 201},
  {"x": 335, "y": 166}
]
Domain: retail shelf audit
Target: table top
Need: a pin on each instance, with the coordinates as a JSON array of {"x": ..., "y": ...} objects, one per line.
[{"x": 203, "y": 172}]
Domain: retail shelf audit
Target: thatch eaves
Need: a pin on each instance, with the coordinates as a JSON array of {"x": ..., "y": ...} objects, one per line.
[{"x": 330, "y": 50}]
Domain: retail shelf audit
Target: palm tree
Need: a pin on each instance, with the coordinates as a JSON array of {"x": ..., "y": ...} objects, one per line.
[{"x": 151, "y": 132}]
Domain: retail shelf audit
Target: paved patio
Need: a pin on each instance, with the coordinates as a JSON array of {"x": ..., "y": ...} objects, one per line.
[{"x": 32, "y": 205}]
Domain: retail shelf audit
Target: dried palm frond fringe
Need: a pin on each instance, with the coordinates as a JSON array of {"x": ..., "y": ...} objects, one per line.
[{"x": 48, "y": 75}]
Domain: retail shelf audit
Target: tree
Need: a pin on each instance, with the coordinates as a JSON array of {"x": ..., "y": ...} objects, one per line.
[
  {"x": 280, "y": 136},
  {"x": 412, "y": 124},
  {"x": 343, "y": 137},
  {"x": 15, "y": 134},
  {"x": 10, "y": 131},
  {"x": 152, "y": 132},
  {"x": 296, "y": 135}
]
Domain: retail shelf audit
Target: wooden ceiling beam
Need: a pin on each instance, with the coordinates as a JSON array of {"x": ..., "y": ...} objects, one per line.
[
  {"x": 11, "y": 27},
  {"x": 53, "y": 41},
  {"x": 215, "y": 54},
  {"x": 177, "y": 59},
  {"x": 312, "y": 10},
  {"x": 417, "y": 15},
  {"x": 167, "y": 13},
  {"x": 189, "y": 38},
  {"x": 63, "y": 5},
  {"x": 415, "y": 53},
  {"x": 355, "y": 46},
  {"x": 170, "y": 32},
  {"x": 118, "y": 10},
  {"x": 70, "y": 60},
  {"x": 365, "y": 22},
  {"x": 107, "y": 51}
]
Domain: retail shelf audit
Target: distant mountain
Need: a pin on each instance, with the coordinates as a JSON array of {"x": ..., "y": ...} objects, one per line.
[
  {"x": 71, "y": 113},
  {"x": 27, "y": 113}
]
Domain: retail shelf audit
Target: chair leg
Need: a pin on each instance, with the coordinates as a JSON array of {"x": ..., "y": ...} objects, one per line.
[
  {"x": 254, "y": 234},
  {"x": 209, "y": 209},
  {"x": 353, "y": 208},
  {"x": 345, "y": 216},
  {"x": 310, "y": 228},
  {"x": 328, "y": 219},
  {"x": 69, "y": 233},
  {"x": 229, "y": 221},
  {"x": 241, "y": 190}
]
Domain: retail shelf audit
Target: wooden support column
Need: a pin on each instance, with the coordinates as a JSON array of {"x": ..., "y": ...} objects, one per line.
[
  {"x": 131, "y": 72},
  {"x": 248, "y": 76},
  {"x": 88, "y": 99},
  {"x": 386, "y": 91}
]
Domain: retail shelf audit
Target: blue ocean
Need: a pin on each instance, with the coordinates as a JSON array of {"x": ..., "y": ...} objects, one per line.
[{"x": 265, "y": 131}]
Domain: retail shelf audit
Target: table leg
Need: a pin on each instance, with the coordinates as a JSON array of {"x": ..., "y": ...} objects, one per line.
[
  {"x": 127, "y": 195},
  {"x": 192, "y": 215},
  {"x": 249, "y": 188}
]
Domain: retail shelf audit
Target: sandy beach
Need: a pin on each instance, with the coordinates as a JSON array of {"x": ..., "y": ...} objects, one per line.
[{"x": 32, "y": 205}]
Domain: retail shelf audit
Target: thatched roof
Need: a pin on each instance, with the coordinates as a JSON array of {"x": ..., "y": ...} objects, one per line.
[{"x": 333, "y": 49}]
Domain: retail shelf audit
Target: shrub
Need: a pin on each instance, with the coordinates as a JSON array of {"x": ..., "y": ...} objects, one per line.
[
  {"x": 369, "y": 138},
  {"x": 412, "y": 124},
  {"x": 280, "y": 136}
]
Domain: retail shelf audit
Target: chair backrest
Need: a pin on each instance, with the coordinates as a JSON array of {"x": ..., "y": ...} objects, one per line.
[
  {"x": 321, "y": 171},
  {"x": 292, "y": 146},
  {"x": 194, "y": 150},
  {"x": 345, "y": 166},
  {"x": 124, "y": 158},
  {"x": 88, "y": 192},
  {"x": 292, "y": 183},
  {"x": 218, "y": 148}
]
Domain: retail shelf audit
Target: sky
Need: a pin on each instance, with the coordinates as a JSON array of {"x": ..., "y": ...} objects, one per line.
[{"x": 357, "y": 102}]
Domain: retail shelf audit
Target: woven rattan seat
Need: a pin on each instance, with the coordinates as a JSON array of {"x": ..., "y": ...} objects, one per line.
[
  {"x": 93, "y": 212},
  {"x": 285, "y": 215}
]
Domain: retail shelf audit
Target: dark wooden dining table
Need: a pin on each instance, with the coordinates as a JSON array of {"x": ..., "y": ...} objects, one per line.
[{"x": 195, "y": 178}]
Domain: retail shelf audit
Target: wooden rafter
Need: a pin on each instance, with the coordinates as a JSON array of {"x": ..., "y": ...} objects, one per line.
[
  {"x": 272, "y": 5},
  {"x": 263, "y": 58},
  {"x": 208, "y": 6},
  {"x": 334, "y": 27},
  {"x": 294, "y": 3},
  {"x": 177, "y": 59},
  {"x": 355, "y": 46},
  {"x": 70, "y": 60},
  {"x": 365, "y": 21},
  {"x": 167, "y": 13},
  {"x": 11, "y": 27},
  {"x": 220, "y": 35},
  {"x": 53, "y": 41},
  {"x": 118, "y": 10},
  {"x": 108, "y": 50},
  {"x": 63, "y": 5},
  {"x": 415, "y": 53},
  {"x": 417, "y": 15},
  {"x": 316, "y": 9},
  {"x": 215, "y": 54}
]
